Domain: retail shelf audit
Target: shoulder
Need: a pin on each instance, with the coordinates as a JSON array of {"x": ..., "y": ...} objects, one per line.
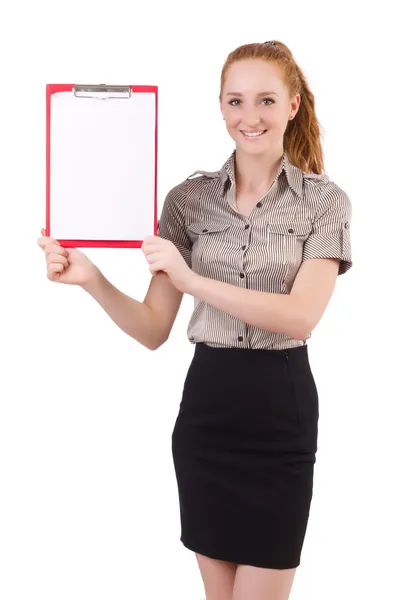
[
  {"x": 193, "y": 182},
  {"x": 328, "y": 193},
  {"x": 198, "y": 180},
  {"x": 188, "y": 189},
  {"x": 315, "y": 180},
  {"x": 204, "y": 175}
]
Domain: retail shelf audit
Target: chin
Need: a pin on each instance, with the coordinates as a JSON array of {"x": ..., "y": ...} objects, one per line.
[{"x": 251, "y": 148}]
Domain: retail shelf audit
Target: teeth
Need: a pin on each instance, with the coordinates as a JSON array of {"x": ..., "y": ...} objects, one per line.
[{"x": 255, "y": 134}]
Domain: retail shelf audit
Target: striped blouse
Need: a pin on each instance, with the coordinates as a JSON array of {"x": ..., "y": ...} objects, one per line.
[{"x": 302, "y": 216}]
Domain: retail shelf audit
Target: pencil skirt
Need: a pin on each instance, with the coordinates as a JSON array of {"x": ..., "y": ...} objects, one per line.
[{"x": 244, "y": 447}]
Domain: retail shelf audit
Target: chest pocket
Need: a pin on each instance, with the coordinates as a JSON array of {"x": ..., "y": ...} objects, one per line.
[
  {"x": 285, "y": 241},
  {"x": 209, "y": 240}
]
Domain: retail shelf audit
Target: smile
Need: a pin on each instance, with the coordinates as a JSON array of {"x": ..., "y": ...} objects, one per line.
[{"x": 253, "y": 134}]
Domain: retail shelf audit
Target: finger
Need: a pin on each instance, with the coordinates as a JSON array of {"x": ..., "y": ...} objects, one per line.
[
  {"x": 154, "y": 257},
  {"x": 150, "y": 238},
  {"x": 156, "y": 266},
  {"x": 54, "y": 271},
  {"x": 148, "y": 248},
  {"x": 43, "y": 233},
  {"x": 53, "y": 249},
  {"x": 157, "y": 271},
  {"x": 45, "y": 241},
  {"x": 53, "y": 258}
]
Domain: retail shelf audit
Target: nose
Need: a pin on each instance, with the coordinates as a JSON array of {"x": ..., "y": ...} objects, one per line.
[{"x": 251, "y": 117}]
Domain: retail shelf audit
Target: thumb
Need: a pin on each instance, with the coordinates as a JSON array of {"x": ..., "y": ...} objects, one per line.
[{"x": 43, "y": 232}]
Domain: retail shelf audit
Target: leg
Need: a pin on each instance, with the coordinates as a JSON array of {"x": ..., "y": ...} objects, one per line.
[
  {"x": 254, "y": 583},
  {"x": 218, "y": 577}
]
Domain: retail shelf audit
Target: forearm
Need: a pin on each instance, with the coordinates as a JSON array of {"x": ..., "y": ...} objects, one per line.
[
  {"x": 133, "y": 317},
  {"x": 279, "y": 313}
]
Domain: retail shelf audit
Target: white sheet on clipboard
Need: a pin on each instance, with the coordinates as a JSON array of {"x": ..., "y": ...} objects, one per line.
[{"x": 102, "y": 167}]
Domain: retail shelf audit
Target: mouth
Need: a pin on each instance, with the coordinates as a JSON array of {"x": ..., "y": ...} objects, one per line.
[{"x": 253, "y": 134}]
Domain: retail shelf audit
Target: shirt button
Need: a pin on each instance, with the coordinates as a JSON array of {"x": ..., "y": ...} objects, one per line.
[
  {"x": 347, "y": 225},
  {"x": 243, "y": 247},
  {"x": 259, "y": 205},
  {"x": 290, "y": 231},
  {"x": 246, "y": 227},
  {"x": 240, "y": 338},
  {"x": 242, "y": 275},
  {"x": 205, "y": 230}
]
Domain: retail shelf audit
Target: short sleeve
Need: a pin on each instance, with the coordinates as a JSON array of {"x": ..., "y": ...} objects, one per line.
[
  {"x": 171, "y": 225},
  {"x": 330, "y": 236}
]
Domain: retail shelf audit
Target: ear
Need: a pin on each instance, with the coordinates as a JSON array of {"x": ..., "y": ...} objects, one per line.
[
  {"x": 295, "y": 103},
  {"x": 220, "y": 107}
]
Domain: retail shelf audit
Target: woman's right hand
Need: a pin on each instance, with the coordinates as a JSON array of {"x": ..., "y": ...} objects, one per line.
[{"x": 66, "y": 265}]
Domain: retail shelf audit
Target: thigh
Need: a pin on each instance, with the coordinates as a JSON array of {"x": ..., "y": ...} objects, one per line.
[
  {"x": 257, "y": 583},
  {"x": 218, "y": 577}
]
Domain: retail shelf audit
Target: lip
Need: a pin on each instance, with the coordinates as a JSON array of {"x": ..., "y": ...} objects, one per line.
[{"x": 255, "y": 137}]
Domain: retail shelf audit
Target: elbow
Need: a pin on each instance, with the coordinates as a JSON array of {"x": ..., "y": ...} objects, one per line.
[
  {"x": 157, "y": 337},
  {"x": 156, "y": 344},
  {"x": 152, "y": 347},
  {"x": 302, "y": 329},
  {"x": 301, "y": 334}
]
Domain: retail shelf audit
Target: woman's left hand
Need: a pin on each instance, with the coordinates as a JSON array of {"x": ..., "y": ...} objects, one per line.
[{"x": 163, "y": 255}]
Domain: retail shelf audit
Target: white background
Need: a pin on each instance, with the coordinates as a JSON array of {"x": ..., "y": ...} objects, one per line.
[{"x": 88, "y": 496}]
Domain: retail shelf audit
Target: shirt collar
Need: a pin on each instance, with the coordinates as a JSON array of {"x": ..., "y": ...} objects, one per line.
[{"x": 294, "y": 174}]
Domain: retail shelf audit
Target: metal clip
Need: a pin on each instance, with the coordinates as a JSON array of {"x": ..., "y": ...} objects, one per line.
[{"x": 102, "y": 91}]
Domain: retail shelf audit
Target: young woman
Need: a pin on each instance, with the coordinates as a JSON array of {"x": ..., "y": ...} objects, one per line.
[{"x": 259, "y": 245}]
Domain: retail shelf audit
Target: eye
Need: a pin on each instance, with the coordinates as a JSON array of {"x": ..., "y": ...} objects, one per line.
[{"x": 263, "y": 99}]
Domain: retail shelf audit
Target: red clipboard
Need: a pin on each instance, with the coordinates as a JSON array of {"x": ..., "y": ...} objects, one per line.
[{"x": 131, "y": 232}]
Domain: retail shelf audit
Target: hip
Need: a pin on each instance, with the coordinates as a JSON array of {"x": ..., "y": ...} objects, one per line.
[{"x": 262, "y": 391}]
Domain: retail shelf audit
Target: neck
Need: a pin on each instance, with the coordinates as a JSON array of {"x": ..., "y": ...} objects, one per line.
[{"x": 255, "y": 171}]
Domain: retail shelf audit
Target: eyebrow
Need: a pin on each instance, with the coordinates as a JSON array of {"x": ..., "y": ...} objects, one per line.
[{"x": 259, "y": 94}]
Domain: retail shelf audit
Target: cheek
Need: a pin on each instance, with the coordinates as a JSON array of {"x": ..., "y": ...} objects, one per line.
[
  {"x": 232, "y": 127},
  {"x": 232, "y": 121},
  {"x": 277, "y": 119},
  {"x": 233, "y": 132}
]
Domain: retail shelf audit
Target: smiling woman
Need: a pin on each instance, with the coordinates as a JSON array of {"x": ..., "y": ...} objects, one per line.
[
  {"x": 256, "y": 120},
  {"x": 265, "y": 238},
  {"x": 259, "y": 245}
]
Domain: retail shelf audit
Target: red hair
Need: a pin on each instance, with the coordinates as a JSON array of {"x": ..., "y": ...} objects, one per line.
[{"x": 302, "y": 136}]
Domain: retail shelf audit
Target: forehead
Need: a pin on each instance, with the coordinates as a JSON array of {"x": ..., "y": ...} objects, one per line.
[{"x": 253, "y": 75}]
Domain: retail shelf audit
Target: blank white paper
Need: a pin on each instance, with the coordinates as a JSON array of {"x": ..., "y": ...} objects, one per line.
[{"x": 102, "y": 167}]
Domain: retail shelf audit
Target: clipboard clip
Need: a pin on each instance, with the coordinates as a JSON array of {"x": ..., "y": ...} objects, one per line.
[{"x": 102, "y": 91}]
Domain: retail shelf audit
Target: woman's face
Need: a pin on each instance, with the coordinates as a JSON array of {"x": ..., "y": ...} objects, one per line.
[{"x": 255, "y": 100}]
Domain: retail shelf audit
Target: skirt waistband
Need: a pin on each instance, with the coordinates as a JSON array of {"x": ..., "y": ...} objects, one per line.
[{"x": 203, "y": 347}]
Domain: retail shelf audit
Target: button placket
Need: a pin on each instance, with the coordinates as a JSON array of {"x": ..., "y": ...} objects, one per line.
[
  {"x": 246, "y": 227},
  {"x": 244, "y": 246}
]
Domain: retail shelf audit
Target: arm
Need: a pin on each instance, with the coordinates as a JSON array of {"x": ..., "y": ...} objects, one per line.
[
  {"x": 149, "y": 322},
  {"x": 295, "y": 314},
  {"x": 326, "y": 254}
]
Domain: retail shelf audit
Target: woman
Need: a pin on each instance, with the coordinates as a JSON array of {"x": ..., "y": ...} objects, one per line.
[{"x": 259, "y": 245}]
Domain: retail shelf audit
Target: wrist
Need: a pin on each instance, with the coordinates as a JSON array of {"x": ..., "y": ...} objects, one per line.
[
  {"x": 193, "y": 284},
  {"x": 93, "y": 280}
]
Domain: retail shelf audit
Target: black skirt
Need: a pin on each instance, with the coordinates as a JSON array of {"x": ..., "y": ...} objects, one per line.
[{"x": 244, "y": 447}]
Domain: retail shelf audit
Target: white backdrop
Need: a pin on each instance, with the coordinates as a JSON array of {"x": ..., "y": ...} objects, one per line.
[{"x": 88, "y": 496}]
